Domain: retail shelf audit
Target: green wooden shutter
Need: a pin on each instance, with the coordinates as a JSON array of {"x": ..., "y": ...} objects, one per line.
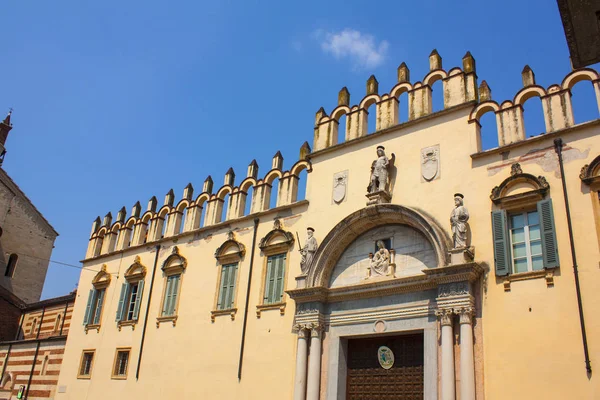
[
  {"x": 278, "y": 294},
  {"x": 174, "y": 294},
  {"x": 502, "y": 254},
  {"x": 138, "y": 300},
  {"x": 549, "y": 247},
  {"x": 167, "y": 299},
  {"x": 231, "y": 284},
  {"x": 121, "y": 307},
  {"x": 223, "y": 288},
  {"x": 88, "y": 308},
  {"x": 270, "y": 280},
  {"x": 99, "y": 304}
]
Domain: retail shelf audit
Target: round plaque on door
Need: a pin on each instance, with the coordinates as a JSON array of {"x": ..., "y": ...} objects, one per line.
[{"x": 385, "y": 357}]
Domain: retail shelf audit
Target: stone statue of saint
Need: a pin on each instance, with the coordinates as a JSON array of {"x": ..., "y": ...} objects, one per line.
[
  {"x": 458, "y": 220},
  {"x": 308, "y": 251},
  {"x": 380, "y": 261},
  {"x": 379, "y": 172}
]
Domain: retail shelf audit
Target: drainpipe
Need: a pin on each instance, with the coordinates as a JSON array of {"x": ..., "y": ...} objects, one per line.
[
  {"x": 62, "y": 325},
  {"x": 256, "y": 220},
  {"x": 20, "y": 326},
  {"x": 137, "y": 372},
  {"x": 558, "y": 143},
  {"x": 41, "y": 322},
  {"x": 5, "y": 362},
  {"x": 37, "y": 349}
]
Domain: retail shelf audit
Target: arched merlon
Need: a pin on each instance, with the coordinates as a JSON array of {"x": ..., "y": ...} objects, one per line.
[
  {"x": 202, "y": 198},
  {"x": 526, "y": 93},
  {"x": 359, "y": 222},
  {"x": 368, "y": 101},
  {"x": 337, "y": 113},
  {"x": 586, "y": 74},
  {"x": 271, "y": 175},
  {"x": 300, "y": 166},
  {"x": 483, "y": 108},
  {"x": 400, "y": 88},
  {"x": 434, "y": 76},
  {"x": 224, "y": 191},
  {"x": 247, "y": 183}
]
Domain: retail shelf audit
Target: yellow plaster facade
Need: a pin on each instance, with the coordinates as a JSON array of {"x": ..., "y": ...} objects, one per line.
[{"x": 512, "y": 335}]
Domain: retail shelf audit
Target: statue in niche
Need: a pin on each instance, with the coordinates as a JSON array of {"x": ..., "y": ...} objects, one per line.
[
  {"x": 380, "y": 261},
  {"x": 308, "y": 251},
  {"x": 459, "y": 222},
  {"x": 379, "y": 172}
]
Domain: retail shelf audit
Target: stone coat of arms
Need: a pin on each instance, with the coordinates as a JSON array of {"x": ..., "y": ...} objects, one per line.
[
  {"x": 430, "y": 162},
  {"x": 340, "y": 182}
]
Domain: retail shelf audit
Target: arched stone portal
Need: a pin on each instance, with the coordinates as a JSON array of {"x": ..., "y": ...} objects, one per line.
[{"x": 341, "y": 312}]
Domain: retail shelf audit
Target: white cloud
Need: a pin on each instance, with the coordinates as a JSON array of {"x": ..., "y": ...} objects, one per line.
[{"x": 360, "y": 48}]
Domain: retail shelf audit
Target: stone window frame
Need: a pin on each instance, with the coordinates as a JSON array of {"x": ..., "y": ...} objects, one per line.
[
  {"x": 134, "y": 274},
  {"x": 520, "y": 203},
  {"x": 175, "y": 264},
  {"x": 590, "y": 178},
  {"x": 114, "y": 372},
  {"x": 79, "y": 369},
  {"x": 100, "y": 282},
  {"x": 268, "y": 248},
  {"x": 225, "y": 256}
]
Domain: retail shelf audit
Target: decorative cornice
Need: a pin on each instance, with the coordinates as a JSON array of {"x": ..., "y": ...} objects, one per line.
[
  {"x": 590, "y": 173},
  {"x": 431, "y": 279},
  {"x": 174, "y": 261},
  {"x": 539, "y": 184},
  {"x": 231, "y": 241}
]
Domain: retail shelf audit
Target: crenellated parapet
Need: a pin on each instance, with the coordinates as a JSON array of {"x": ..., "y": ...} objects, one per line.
[
  {"x": 175, "y": 218},
  {"x": 556, "y": 105},
  {"x": 459, "y": 87}
]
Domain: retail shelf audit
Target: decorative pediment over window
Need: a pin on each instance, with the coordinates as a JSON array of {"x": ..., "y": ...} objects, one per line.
[
  {"x": 230, "y": 251},
  {"x": 519, "y": 187},
  {"x": 590, "y": 173},
  {"x": 278, "y": 240},
  {"x": 136, "y": 270},
  {"x": 175, "y": 262},
  {"x": 102, "y": 278}
]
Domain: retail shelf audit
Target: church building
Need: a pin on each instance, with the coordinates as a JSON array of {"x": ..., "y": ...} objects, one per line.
[{"x": 420, "y": 265}]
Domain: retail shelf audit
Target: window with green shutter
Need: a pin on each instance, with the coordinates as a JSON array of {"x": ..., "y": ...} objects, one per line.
[
  {"x": 274, "y": 279},
  {"x": 169, "y": 307},
  {"x": 130, "y": 300},
  {"x": 524, "y": 241},
  {"x": 227, "y": 286}
]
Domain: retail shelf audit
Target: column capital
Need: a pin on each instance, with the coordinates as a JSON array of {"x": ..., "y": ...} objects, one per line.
[
  {"x": 316, "y": 329},
  {"x": 445, "y": 316},
  {"x": 466, "y": 314}
]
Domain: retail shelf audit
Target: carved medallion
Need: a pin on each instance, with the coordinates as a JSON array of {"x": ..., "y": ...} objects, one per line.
[
  {"x": 430, "y": 162},
  {"x": 340, "y": 181},
  {"x": 385, "y": 356}
]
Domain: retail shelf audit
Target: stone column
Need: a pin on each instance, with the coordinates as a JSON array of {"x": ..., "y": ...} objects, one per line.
[
  {"x": 467, "y": 361},
  {"x": 448, "y": 387},
  {"x": 314, "y": 364},
  {"x": 301, "y": 360}
]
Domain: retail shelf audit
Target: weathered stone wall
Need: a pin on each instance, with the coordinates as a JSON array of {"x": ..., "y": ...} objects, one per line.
[{"x": 27, "y": 234}]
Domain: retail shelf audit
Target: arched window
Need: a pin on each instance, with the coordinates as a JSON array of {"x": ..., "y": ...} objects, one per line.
[
  {"x": 45, "y": 365},
  {"x": 275, "y": 248},
  {"x": 523, "y": 231},
  {"x": 33, "y": 328},
  {"x": 7, "y": 383},
  {"x": 11, "y": 265},
  {"x": 57, "y": 323},
  {"x": 95, "y": 303},
  {"x": 173, "y": 269},
  {"x": 228, "y": 256},
  {"x": 132, "y": 290}
]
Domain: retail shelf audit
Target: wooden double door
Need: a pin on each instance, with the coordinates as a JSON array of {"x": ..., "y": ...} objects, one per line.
[{"x": 368, "y": 380}]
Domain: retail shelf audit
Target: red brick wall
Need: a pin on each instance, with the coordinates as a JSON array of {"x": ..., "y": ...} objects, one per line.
[{"x": 10, "y": 316}]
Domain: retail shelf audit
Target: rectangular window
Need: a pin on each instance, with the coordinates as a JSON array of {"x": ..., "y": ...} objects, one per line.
[
  {"x": 11, "y": 265},
  {"x": 85, "y": 368},
  {"x": 227, "y": 286},
  {"x": 274, "y": 279},
  {"x": 121, "y": 364},
  {"x": 129, "y": 301},
  {"x": 93, "y": 312},
  {"x": 171, "y": 293},
  {"x": 526, "y": 242}
]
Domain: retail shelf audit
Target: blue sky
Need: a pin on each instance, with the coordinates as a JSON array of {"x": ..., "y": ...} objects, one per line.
[{"x": 115, "y": 102}]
